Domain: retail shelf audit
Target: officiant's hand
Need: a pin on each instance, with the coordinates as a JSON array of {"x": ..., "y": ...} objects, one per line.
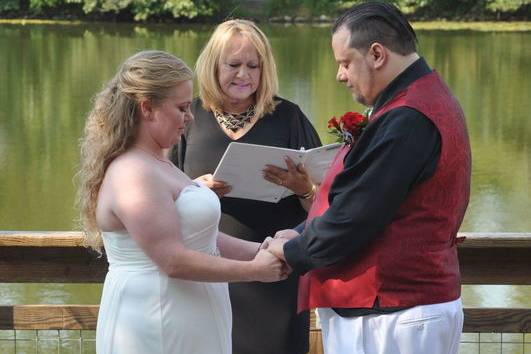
[
  {"x": 219, "y": 187},
  {"x": 295, "y": 177}
]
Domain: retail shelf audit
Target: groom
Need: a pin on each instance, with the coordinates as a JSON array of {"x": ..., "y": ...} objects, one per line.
[{"x": 378, "y": 251}]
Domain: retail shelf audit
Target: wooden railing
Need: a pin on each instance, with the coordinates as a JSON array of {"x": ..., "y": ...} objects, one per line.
[{"x": 59, "y": 257}]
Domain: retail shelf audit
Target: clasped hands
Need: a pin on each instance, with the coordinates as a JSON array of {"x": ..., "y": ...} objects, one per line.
[{"x": 275, "y": 246}]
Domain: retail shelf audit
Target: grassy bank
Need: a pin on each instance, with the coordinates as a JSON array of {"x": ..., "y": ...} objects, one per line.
[
  {"x": 486, "y": 26},
  {"x": 501, "y": 26}
]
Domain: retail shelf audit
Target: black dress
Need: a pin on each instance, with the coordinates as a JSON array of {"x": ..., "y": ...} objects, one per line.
[{"x": 264, "y": 315}]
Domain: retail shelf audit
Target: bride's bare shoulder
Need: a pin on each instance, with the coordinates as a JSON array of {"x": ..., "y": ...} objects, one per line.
[{"x": 131, "y": 167}]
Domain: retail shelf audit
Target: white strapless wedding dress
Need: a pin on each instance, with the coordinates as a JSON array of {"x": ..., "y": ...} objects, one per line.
[{"x": 143, "y": 311}]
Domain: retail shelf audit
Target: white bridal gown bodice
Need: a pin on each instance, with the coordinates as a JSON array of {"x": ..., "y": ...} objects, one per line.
[{"x": 143, "y": 311}]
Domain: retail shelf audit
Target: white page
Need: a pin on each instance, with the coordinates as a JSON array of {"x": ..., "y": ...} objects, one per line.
[
  {"x": 242, "y": 164},
  {"x": 318, "y": 161}
]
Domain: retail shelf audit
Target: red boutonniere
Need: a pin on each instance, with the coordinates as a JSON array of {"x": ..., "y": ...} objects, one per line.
[{"x": 348, "y": 128}]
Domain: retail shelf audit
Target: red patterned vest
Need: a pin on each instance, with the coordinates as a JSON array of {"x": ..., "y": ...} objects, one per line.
[{"x": 415, "y": 261}]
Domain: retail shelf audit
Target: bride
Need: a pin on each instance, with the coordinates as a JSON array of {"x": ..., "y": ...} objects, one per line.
[{"x": 166, "y": 288}]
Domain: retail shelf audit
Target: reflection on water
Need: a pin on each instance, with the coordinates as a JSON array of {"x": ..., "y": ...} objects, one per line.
[
  {"x": 473, "y": 296},
  {"x": 52, "y": 294},
  {"x": 49, "y": 73},
  {"x": 496, "y": 296}
]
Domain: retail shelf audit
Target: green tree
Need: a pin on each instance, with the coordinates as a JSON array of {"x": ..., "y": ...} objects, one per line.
[
  {"x": 506, "y": 5},
  {"x": 141, "y": 9},
  {"x": 145, "y": 9},
  {"x": 10, "y": 5}
]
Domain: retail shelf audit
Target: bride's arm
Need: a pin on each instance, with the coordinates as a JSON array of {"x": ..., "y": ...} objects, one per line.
[
  {"x": 234, "y": 248},
  {"x": 145, "y": 206}
]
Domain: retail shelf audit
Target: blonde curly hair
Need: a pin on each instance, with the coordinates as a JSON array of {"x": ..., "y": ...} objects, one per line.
[{"x": 111, "y": 125}]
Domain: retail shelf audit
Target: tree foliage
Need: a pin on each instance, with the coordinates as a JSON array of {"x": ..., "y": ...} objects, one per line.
[
  {"x": 453, "y": 7},
  {"x": 143, "y": 10},
  {"x": 146, "y": 9},
  {"x": 506, "y": 5},
  {"x": 9, "y": 5}
]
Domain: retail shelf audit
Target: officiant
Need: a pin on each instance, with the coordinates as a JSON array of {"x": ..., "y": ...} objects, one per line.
[{"x": 238, "y": 101}]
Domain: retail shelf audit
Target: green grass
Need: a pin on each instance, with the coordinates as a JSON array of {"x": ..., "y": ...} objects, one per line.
[
  {"x": 474, "y": 26},
  {"x": 23, "y": 21},
  {"x": 501, "y": 26}
]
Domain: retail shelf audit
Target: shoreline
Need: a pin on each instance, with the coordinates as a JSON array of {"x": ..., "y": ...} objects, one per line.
[{"x": 481, "y": 26}]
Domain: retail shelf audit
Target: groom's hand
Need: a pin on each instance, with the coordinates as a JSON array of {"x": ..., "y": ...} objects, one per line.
[
  {"x": 276, "y": 247},
  {"x": 287, "y": 234}
]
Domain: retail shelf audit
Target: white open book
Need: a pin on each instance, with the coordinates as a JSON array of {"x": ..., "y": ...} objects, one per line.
[{"x": 242, "y": 164}]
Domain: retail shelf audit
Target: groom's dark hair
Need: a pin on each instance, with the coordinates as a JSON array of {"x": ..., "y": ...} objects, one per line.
[{"x": 378, "y": 22}]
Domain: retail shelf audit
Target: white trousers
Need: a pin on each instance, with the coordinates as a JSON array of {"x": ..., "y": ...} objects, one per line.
[{"x": 425, "y": 329}]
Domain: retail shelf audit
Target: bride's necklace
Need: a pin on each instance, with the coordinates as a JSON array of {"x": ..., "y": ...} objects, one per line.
[
  {"x": 235, "y": 121},
  {"x": 154, "y": 156}
]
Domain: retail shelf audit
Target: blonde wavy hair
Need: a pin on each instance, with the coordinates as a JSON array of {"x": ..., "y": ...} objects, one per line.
[
  {"x": 209, "y": 60},
  {"x": 111, "y": 125}
]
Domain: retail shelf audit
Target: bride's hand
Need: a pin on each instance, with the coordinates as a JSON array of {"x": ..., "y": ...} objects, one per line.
[
  {"x": 268, "y": 268},
  {"x": 219, "y": 187},
  {"x": 265, "y": 244}
]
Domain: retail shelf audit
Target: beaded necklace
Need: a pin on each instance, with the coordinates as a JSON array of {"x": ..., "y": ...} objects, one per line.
[{"x": 235, "y": 121}]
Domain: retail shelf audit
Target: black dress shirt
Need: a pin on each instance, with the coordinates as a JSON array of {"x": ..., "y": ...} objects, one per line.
[{"x": 395, "y": 152}]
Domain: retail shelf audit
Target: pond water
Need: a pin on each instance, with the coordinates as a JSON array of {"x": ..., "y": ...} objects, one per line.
[{"x": 48, "y": 74}]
